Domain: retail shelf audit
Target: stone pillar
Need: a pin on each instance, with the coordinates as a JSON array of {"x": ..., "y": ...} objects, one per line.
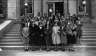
[
  {"x": 13, "y": 9},
  {"x": 42, "y": 7},
  {"x": 66, "y": 10},
  {"x": 17, "y": 9},
  {"x": 33, "y": 7},
  {"x": 72, "y": 7},
  {"x": 37, "y": 7},
  {"x": 45, "y": 6},
  {"x": 93, "y": 2}
]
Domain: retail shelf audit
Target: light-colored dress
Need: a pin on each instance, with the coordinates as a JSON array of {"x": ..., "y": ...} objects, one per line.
[
  {"x": 25, "y": 33},
  {"x": 55, "y": 35}
]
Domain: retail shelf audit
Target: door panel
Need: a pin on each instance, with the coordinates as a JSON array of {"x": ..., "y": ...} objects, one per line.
[{"x": 59, "y": 7}]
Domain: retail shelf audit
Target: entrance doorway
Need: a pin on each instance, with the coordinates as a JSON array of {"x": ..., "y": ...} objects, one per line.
[
  {"x": 59, "y": 7},
  {"x": 55, "y": 7}
]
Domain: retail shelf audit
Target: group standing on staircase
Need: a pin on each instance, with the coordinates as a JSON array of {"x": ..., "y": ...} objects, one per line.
[{"x": 54, "y": 31}]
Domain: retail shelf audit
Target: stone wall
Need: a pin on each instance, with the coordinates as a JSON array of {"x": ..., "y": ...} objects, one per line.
[
  {"x": 14, "y": 7},
  {"x": 94, "y": 10}
]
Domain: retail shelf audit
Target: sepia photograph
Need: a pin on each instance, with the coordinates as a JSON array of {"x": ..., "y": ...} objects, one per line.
[{"x": 47, "y": 27}]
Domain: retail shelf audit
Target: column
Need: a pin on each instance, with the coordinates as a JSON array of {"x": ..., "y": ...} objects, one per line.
[
  {"x": 72, "y": 7},
  {"x": 42, "y": 7},
  {"x": 93, "y": 4},
  {"x": 37, "y": 7},
  {"x": 17, "y": 9},
  {"x": 33, "y": 7},
  {"x": 45, "y": 6},
  {"x": 13, "y": 9},
  {"x": 66, "y": 7}
]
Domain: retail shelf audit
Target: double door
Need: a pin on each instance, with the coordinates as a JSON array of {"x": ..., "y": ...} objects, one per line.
[{"x": 55, "y": 7}]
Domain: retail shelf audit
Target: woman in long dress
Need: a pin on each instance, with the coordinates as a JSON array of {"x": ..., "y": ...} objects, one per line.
[
  {"x": 62, "y": 32},
  {"x": 55, "y": 35},
  {"x": 25, "y": 35}
]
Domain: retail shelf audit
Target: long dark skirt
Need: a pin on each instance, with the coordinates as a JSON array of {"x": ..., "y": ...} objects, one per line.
[
  {"x": 42, "y": 36},
  {"x": 35, "y": 39},
  {"x": 71, "y": 39}
]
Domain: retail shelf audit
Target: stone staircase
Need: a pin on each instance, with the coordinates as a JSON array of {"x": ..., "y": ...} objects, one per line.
[
  {"x": 89, "y": 36},
  {"x": 12, "y": 39}
]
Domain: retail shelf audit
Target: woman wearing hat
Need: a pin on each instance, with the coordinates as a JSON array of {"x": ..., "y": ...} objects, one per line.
[{"x": 55, "y": 34}]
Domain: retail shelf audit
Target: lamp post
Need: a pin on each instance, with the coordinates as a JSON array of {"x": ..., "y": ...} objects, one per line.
[
  {"x": 26, "y": 5},
  {"x": 84, "y": 5}
]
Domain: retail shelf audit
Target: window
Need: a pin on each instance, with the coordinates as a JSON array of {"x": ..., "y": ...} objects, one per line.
[
  {"x": 22, "y": 7},
  {"x": 3, "y": 8}
]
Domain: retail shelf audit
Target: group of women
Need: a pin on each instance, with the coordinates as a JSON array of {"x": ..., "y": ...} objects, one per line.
[{"x": 54, "y": 31}]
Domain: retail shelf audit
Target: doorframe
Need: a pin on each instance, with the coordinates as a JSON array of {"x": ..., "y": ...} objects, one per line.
[
  {"x": 53, "y": 2},
  {"x": 63, "y": 7}
]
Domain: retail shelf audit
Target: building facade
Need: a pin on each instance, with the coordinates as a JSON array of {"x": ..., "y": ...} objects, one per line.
[{"x": 13, "y": 9}]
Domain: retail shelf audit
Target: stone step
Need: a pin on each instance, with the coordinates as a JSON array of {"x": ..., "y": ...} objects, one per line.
[
  {"x": 12, "y": 34},
  {"x": 12, "y": 43},
  {"x": 88, "y": 31},
  {"x": 88, "y": 40},
  {"x": 8, "y": 37},
  {"x": 87, "y": 36},
  {"x": 14, "y": 30},
  {"x": 86, "y": 47},
  {"x": 11, "y": 40},
  {"x": 13, "y": 48},
  {"x": 88, "y": 43},
  {"x": 80, "y": 46},
  {"x": 88, "y": 27}
]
